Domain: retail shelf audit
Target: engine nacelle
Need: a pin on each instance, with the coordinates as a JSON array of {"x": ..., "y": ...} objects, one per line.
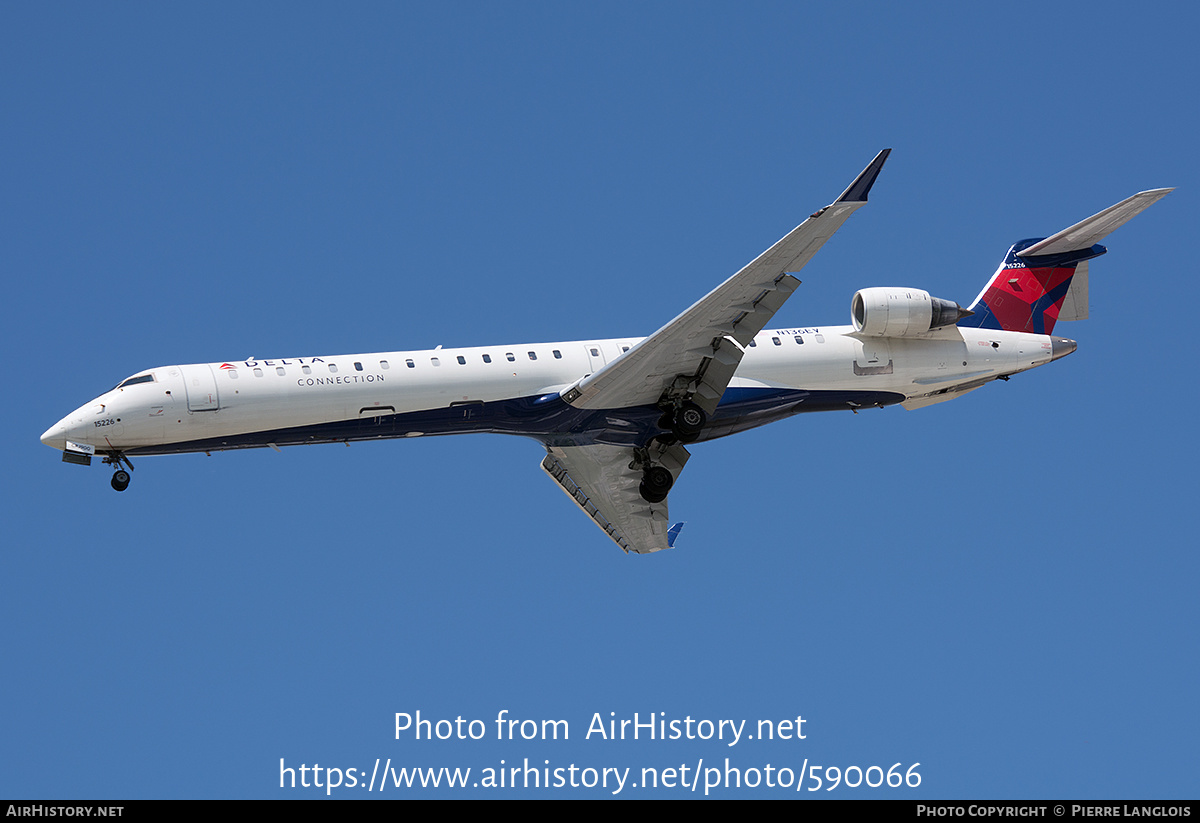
[{"x": 887, "y": 311}]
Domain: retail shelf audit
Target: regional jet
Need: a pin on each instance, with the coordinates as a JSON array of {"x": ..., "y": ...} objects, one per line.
[{"x": 616, "y": 416}]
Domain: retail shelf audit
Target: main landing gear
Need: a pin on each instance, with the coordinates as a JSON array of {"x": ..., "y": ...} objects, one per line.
[
  {"x": 656, "y": 484},
  {"x": 657, "y": 479},
  {"x": 120, "y": 478},
  {"x": 685, "y": 421}
]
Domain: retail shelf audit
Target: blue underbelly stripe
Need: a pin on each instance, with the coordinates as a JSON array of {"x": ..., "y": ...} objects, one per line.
[{"x": 549, "y": 420}]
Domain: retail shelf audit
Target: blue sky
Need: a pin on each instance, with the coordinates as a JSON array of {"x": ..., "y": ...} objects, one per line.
[{"x": 1001, "y": 588}]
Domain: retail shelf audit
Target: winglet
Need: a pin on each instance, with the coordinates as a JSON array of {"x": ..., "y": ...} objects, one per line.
[
  {"x": 857, "y": 193},
  {"x": 673, "y": 533}
]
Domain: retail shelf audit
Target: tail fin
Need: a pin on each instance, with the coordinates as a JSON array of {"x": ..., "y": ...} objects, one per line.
[
  {"x": 1043, "y": 281},
  {"x": 1027, "y": 293}
]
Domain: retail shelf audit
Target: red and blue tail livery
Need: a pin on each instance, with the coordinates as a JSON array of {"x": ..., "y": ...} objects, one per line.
[
  {"x": 1027, "y": 292},
  {"x": 1042, "y": 281}
]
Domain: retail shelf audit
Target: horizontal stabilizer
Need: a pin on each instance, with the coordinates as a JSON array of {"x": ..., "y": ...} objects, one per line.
[{"x": 1087, "y": 232}]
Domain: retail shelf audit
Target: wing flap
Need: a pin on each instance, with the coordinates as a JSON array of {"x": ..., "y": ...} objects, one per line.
[
  {"x": 763, "y": 309},
  {"x": 715, "y": 373}
]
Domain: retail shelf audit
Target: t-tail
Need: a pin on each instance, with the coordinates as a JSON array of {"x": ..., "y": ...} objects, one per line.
[{"x": 1043, "y": 281}]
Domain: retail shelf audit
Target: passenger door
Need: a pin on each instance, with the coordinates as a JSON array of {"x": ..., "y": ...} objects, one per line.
[{"x": 201, "y": 388}]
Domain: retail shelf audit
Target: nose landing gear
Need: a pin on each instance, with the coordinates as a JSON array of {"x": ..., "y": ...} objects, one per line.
[{"x": 120, "y": 478}]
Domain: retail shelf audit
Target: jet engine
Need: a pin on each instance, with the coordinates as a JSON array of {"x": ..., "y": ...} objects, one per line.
[{"x": 887, "y": 311}]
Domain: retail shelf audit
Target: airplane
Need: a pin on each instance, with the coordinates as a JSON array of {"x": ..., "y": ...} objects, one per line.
[{"x": 615, "y": 416}]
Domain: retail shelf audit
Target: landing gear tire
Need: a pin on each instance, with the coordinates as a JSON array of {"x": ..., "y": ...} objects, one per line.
[
  {"x": 689, "y": 421},
  {"x": 656, "y": 484},
  {"x": 120, "y": 480}
]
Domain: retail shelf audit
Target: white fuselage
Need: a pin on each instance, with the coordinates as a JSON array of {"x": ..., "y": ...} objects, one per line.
[{"x": 514, "y": 389}]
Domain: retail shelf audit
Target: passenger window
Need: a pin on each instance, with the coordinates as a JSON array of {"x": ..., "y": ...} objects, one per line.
[
  {"x": 435, "y": 361},
  {"x": 333, "y": 368},
  {"x": 511, "y": 357},
  {"x": 595, "y": 352},
  {"x": 533, "y": 355},
  {"x": 232, "y": 374},
  {"x": 487, "y": 358},
  {"x": 306, "y": 369},
  {"x": 383, "y": 364},
  {"x": 258, "y": 372},
  {"x": 280, "y": 370},
  {"x": 410, "y": 364},
  {"x": 624, "y": 349},
  {"x": 775, "y": 340},
  {"x": 462, "y": 361},
  {"x": 820, "y": 338},
  {"x": 358, "y": 366},
  {"x": 799, "y": 340},
  {"x": 753, "y": 343},
  {"x": 557, "y": 354}
]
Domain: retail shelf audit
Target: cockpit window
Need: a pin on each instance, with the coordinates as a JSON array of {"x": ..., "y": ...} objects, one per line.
[{"x": 133, "y": 381}]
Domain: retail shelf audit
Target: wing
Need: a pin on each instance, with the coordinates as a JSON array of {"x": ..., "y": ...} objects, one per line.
[
  {"x": 604, "y": 483},
  {"x": 691, "y": 358},
  {"x": 696, "y": 354}
]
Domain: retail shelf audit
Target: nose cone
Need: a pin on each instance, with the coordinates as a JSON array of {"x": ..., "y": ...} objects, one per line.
[
  {"x": 1061, "y": 347},
  {"x": 56, "y": 436}
]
